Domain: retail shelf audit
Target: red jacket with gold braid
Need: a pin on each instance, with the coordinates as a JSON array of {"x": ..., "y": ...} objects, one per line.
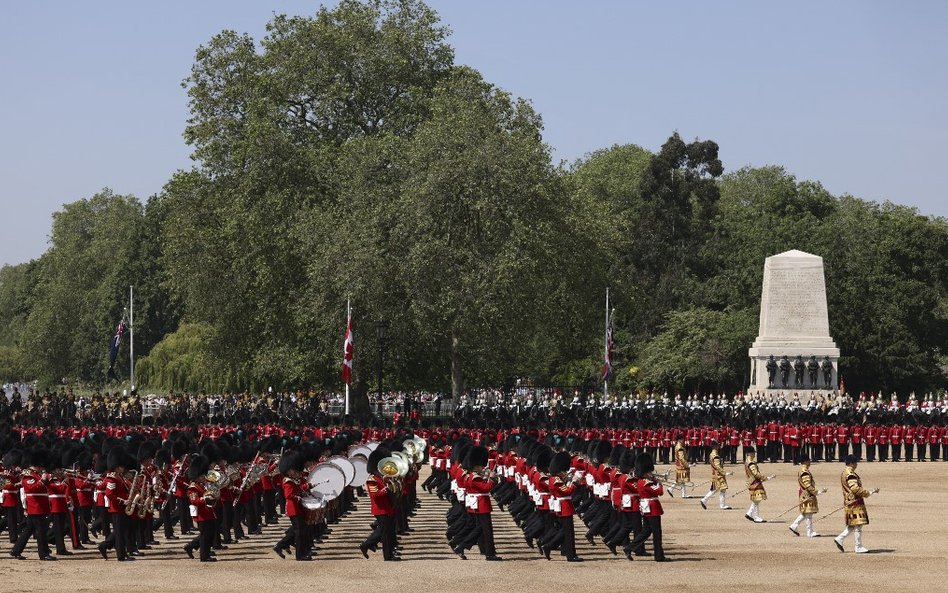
[{"x": 379, "y": 495}]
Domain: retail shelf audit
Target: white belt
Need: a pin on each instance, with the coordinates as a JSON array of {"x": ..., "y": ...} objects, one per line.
[
  {"x": 57, "y": 496},
  {"x": 40, "y": 495}
]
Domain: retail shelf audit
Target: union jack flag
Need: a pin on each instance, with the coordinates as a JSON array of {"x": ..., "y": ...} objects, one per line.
[{"x": 114, "y": 344}]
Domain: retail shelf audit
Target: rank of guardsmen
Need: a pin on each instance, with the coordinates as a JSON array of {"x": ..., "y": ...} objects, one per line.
[{"x": 208, "y": 487}]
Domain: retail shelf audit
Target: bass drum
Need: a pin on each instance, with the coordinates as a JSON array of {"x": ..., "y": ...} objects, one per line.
[
  {"x": 345, "y": 465},
  {"x": 361, "y": 465},
  {"x": 328, "y": 480},
  {"x": 365, "y": 449}
]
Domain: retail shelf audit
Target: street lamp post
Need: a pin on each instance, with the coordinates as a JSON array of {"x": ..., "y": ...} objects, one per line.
[{"x": 381, "y": 327}]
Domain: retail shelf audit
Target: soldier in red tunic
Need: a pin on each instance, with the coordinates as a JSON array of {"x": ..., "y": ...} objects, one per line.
[
  {"x": 35, "y": 498},
  {"x": 561, "y": 503},
  {"x": 116, "y": 495},
  {"x": 650, "y": 489},
  {"x": 383, "y": 509},
  {"x": 201, "y": 503},
  {"x": 291, "y": 467},
  {"x": 477, "y": 500},
  {"x": 9, "y": 494}
]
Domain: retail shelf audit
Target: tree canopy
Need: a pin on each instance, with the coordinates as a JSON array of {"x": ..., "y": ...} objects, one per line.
[{"x": 347, "y": 156}]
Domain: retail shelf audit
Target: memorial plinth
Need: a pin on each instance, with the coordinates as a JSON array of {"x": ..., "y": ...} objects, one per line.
[{"x": 793, "y": 322}]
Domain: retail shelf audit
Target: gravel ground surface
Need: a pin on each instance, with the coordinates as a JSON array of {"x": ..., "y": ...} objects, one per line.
[{"x": 721, "y": 549}]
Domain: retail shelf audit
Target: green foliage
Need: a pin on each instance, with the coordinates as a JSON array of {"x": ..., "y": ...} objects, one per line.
[
  {"x": 346, "y": 156},
  {"x": 700, "y": 349},
  {"x": 181, "y": 361}
]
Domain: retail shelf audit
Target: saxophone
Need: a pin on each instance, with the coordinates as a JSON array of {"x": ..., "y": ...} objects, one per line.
[
  {"x": 134, "y": 498},
  {"x": 148, "y": 501}
]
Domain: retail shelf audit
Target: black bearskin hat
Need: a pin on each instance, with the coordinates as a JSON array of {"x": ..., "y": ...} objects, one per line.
[
  {"x": 289, "y": 461},
  {"x": 198, "y": 466},
  {"x": 543, "y": 460},
  {"x": 644, "y": 464},
  {"x": 560, "y": 463},
  {"x": 602, "y": 451},
  {"x": 119, "y": 457},
  {"x": 478, "y": 456}
]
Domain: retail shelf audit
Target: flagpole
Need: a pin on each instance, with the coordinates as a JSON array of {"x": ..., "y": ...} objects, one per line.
[
  {"x": 131, "y": 336},
  {"x": 348, "y": 317},
  {"x": 605, "y": 383}
]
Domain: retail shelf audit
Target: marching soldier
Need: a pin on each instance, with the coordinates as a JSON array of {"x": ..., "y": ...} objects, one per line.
[
  {"x": 291, "y": 466},
  {"x": 383, "y": 509},
  {"x": 682, "y": 468},
  {"x": 9, "y": 492},
  {"x": 650, "y": 489},
  {"x": 718, "y": 480},
  {"x": 808, "y": 499},
  {"x": 477, "y": 500},
  {"x": 116, "y": 497},
  {"x": 36, "y": 504},
  {"x": 854, "y": 496},
  {"x": 201, "y": 505},
  {"x": 561, "y": 503},
  {"x": 755, "y": 486}
]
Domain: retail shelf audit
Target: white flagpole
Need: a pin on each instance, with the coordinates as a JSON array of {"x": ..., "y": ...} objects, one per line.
[
  {"x": 605, "y": 383},
  {"x": 131, "y": 336},
  {"x": 348, "y": 318}
]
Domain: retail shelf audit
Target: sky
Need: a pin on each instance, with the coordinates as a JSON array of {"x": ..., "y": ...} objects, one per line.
[{"x": 851, "y": 94}]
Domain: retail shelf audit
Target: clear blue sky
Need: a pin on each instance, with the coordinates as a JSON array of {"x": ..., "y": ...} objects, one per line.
[{"x": 853, "y": 94}]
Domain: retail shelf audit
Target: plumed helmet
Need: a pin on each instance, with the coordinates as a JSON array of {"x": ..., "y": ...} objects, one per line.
[
  {"x": 644, "y": 464},
  {"x": 560, "y": 463},
  {"x": 198, "y": 466}
]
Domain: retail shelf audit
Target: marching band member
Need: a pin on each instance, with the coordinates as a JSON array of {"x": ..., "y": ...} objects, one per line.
[
  {"x": 291, "y": 466},
  {"x": 561, "y": 503},
  {"x": 809, "y": 505},
  {"x": 682, "y": 468},
  {"x": 201, "y": 505},
  {"x": 755, "y": 485},
  {"x": 9, "y": 492},
  {"x": 383, "y": 509},
  {"x": 35, "y": 498},
  {"x": 115, "y": 499},
  {"x": 718, "y": 480},
  {"x": 854, "y": 496}
]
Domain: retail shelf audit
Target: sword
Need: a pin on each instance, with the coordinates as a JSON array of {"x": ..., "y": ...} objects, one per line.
[{"x": 771, "y": 477}]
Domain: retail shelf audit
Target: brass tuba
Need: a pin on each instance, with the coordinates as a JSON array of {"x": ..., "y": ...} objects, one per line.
[
  {"x": 216, "y": 481},
  {"x": 415, "y": 448}
]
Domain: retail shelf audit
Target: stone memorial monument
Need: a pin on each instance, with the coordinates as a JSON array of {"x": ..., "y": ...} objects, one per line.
[{"x": 794, "y": 328}]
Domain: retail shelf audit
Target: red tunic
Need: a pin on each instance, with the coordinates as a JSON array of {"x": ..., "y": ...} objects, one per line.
[
  {"x": 292, "y": 490},
  {"x": 562, "y": 493},
  {"x": 199, "y": 509},
  {"x": 35, "y": 494},
  {"x": 649, "y": 503},
  {"x": 379, "y": 495},
  {"x": 58, "y": 496},
  {"x": 477, "y": 494},
  {"x": 116, "y": 493}
]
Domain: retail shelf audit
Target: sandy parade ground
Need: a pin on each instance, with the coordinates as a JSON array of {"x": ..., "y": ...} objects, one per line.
[{"x": 711, "y": 550}]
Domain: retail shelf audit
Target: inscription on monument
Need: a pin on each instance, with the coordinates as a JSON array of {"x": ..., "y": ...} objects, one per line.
[{"x": 796, "y": 308}]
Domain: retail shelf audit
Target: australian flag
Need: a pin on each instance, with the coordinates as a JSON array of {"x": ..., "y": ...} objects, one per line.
[{"x": 114, "y": 344}]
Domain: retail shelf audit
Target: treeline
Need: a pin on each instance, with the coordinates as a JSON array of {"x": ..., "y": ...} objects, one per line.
[{"x": 348, "y": 156}]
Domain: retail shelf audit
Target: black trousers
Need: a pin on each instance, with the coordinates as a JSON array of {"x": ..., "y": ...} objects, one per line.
[
  {"x": 870, "y": 452},
  {"x": 184, "y": 505},
  {"x": 83, "y": 518},
  {"x": 13, "y": 523},
  {"x": 651, "y": 526},
  {"x": 60, "y": 528},
  {"x": 388, "y": 536},
  {"x": 568, "y": 545},
  {"x": 34, "y": 526},
  {"x": 486, "y": 541},
  {"x": 120, "y": 538},
  {"x": 295, "y": 536},
  {"x": 204, "y": 539},
  {"x": 857, "y": 451}
]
